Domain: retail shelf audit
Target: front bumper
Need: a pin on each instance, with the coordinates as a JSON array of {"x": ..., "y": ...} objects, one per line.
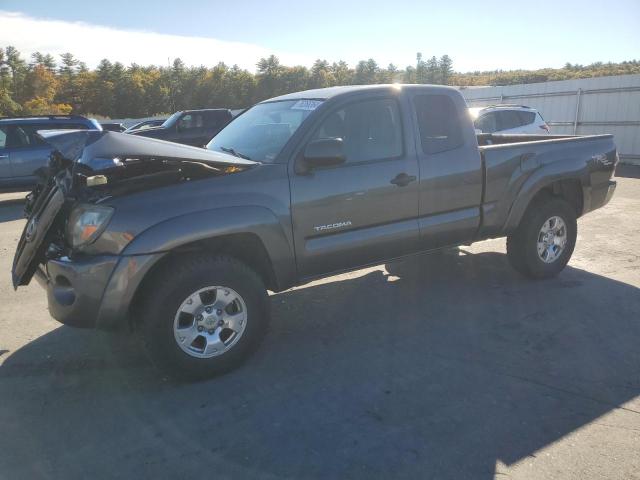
[{"x": 93, "y": 291}]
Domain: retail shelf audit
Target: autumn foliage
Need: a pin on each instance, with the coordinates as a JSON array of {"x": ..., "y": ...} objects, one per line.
[{"x": 111, "y": 90}]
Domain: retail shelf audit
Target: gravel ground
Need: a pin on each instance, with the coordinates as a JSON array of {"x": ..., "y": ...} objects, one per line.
[{"x": 449, "y": 367}]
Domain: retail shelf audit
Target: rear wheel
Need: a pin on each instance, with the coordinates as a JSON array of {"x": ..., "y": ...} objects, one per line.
[
  {"x": 544, "y": 241},
  {"x": 203, "y": 316}
]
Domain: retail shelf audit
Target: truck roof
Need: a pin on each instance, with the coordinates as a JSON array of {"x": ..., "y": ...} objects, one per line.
[{"x": 330, "y": 92}]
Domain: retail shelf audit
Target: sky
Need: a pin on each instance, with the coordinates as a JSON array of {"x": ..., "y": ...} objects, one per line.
[{"x": 486, "y": 35}]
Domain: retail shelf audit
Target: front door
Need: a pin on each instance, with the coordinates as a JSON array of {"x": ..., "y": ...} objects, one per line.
[{"x": 365, "y": 210}]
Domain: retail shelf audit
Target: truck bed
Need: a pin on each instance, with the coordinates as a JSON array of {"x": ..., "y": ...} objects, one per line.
[{"x": 514, "y": 165}]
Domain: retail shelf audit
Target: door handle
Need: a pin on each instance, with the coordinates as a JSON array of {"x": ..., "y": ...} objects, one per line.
[{"x": 402, "y": 179}]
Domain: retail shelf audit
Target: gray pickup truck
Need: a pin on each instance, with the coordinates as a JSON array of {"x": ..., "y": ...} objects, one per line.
[{"x": 180, "y": 244}]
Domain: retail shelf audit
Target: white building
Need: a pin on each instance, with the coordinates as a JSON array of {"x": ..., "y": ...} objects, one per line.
[{"x": 582, "y": 107}]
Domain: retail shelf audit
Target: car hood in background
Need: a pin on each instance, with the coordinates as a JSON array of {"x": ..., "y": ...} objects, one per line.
[{"x": 150, "y": 131}]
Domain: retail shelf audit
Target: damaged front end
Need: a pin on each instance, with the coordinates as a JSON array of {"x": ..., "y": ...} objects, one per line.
[{"x": 88, "y": 167}]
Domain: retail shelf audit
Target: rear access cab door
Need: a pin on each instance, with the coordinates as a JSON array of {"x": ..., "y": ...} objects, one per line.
[
  {"x": 451, "y": 179},
  {"x": 364, "y": 210}
]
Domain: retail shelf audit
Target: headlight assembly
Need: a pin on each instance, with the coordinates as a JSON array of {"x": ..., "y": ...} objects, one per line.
[{"x": 86, "y": 223}]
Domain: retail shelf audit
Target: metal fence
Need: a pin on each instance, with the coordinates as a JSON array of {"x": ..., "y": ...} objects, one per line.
[{"x": 582, "y": 107}]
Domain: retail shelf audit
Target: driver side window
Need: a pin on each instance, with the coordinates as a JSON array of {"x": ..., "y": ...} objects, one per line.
[{"x": 370, "y": 130}]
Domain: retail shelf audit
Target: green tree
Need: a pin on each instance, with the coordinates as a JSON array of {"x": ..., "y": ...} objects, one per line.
[
  {"x": 67, "y": 92},
  {"x": 18, "y": 71},
  {"x": 295, "y": 79},
  {"x": 321, "y": 75},
  {"x": 342, "y": 74},
  {"x": 8, "y": 106},
  {"x": 113, "y": 90},
  {"x": 432, "y": 71},
  {"x": 46, "y": 61},
  {"x": 409, "y": 75},
  {"x": 446, "y": 69},
  {"x": 366, "y": 72},
  {"x": 242, "y": 85},
  {"x": 269, "y": 71},
  {"x": 421, "y": 69}
]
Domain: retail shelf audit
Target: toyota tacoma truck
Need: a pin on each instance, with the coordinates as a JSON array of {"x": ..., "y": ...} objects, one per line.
[{"x": 181, "y": 244}]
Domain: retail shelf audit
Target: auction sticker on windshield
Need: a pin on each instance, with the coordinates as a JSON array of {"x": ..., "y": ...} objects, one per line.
[{"x": 306, "y": 105}]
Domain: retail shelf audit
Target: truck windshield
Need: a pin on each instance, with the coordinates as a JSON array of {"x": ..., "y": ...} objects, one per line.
[{"x": 262, "y": 131}]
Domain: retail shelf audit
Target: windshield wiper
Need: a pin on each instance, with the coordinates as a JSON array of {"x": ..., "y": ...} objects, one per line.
[{"x": 234, "y": 153}]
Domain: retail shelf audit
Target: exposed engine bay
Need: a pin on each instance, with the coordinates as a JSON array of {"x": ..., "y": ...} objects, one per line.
[{"x": 91, "y": 166}]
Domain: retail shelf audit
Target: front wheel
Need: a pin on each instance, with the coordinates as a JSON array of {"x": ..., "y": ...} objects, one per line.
[
  {"x": 544, "y": 241},
  {"x": 203, "y": 316}
]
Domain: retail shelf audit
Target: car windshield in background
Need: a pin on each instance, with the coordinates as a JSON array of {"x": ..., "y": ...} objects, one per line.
[
  {"x": 171, "y": 120},
  {"x": 262, "y": 131}
]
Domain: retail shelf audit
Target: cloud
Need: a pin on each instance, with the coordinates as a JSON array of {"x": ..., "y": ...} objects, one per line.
[{"x": 91, "y": 43}]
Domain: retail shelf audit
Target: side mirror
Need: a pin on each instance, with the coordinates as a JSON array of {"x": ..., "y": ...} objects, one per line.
[{"x": 324, "y": 152}]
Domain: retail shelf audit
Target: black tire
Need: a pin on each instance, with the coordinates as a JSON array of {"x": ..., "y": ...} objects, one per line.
[
  {"x": 522, "y": 245},
  {"x": 176, "y": 281}
]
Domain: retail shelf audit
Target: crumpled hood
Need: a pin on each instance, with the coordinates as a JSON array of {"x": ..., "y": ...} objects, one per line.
[
  {"x": 87, "y": 145},
  {"x": 90, "y": 165}
]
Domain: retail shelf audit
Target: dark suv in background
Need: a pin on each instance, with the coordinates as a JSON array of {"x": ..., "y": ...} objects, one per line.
[
  {"x": 191, "y": 127},
  {"x": 22, "y": 152}
]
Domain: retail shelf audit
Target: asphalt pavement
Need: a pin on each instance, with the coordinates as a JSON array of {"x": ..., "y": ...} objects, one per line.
[{"x": 431, "y": 367}]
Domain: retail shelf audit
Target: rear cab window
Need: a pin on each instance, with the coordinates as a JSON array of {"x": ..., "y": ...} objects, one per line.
[{"x": 438, "y": 123}]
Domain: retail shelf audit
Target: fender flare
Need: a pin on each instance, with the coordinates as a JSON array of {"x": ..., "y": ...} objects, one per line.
[
  {"x": 572, "y": 169},
  {"x": 206, "y": 224}
]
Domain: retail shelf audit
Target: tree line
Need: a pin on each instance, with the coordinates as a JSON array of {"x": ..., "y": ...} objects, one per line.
[{"x": 46, "y": 85}]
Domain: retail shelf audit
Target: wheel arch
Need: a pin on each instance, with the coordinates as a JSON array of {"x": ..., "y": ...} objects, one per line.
[
  {"x": 570, "y": 188},
  {"x": 252, "y": 235},
  {"x": 245, "y": 247}
]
